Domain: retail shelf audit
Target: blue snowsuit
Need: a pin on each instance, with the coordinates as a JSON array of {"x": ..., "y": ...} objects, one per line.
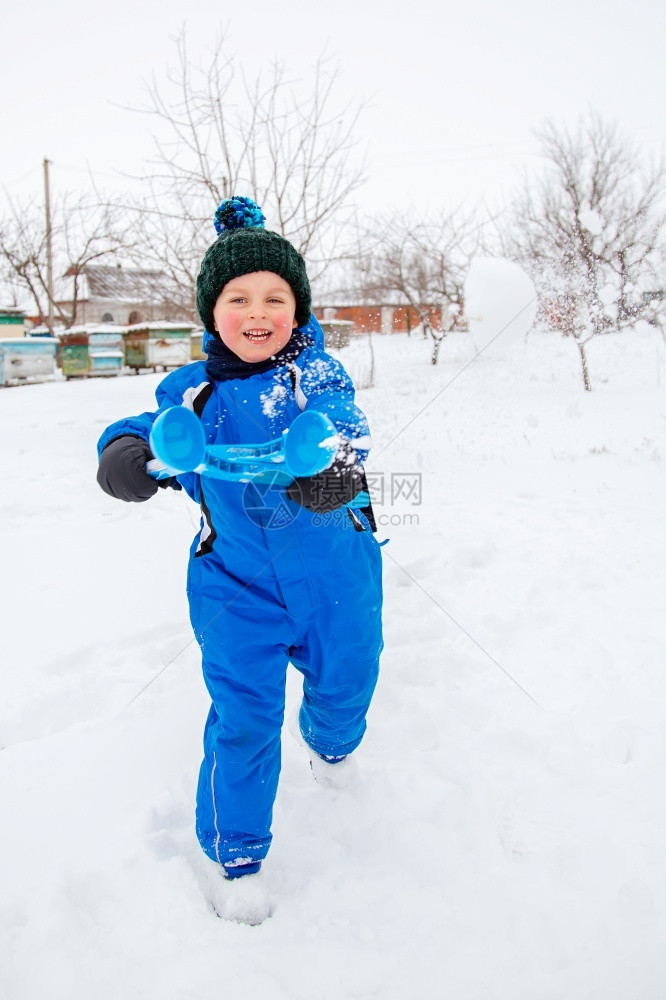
[{"x": 270, "y": 583}]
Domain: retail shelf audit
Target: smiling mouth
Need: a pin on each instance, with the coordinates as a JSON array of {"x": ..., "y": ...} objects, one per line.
[{"x": 257, "y": 336}]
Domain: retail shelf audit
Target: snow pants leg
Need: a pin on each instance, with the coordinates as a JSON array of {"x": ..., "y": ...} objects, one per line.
[
  {"x": 338, "y": 655},
  {"x": 335, "y": 642},
  {"x": 338, "y": 685},
  {"x": 245, "y": 674}
]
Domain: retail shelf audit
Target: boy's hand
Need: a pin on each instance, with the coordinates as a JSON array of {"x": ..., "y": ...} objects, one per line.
[
  {"x": 334, "y": 487},
  {"x": 122, "y": 473}
]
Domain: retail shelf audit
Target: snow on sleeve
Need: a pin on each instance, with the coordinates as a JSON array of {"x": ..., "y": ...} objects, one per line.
[
  {"x": 272, "y": 400},
  {"x": 327, "y": 387}
]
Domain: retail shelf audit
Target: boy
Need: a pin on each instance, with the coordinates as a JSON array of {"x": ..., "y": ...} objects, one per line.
[{"x": 270, "y": 580}]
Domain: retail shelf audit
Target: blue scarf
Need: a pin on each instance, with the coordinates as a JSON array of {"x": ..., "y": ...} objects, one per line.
[{"x": 223, "y": 364}]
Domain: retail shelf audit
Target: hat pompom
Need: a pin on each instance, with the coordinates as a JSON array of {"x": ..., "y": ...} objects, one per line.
[{"x": 238, "y": 213}]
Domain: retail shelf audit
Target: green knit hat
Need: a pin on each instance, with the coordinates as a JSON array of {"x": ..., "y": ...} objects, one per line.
[{"x": 242, "y": 247}]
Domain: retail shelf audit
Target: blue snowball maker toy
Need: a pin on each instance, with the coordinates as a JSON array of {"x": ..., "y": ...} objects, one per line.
[{"x": 306, "y": 448}]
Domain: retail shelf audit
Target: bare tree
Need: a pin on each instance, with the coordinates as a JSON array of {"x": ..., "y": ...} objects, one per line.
[
  {"x": 422, "y": 263},
  {"x": 23, "y": 256},
  {"x": 92, "y": 230},
  {"x": 589, "y": 232},
  {"x": 279, "y": 140},
  {"x": 172, "y": 242},
  {"x": 85, "y": 228}
]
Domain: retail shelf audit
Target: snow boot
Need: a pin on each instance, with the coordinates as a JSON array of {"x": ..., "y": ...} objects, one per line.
[
  {"x": 337, "y": 773},
  {"x": 242, "y": 898}
]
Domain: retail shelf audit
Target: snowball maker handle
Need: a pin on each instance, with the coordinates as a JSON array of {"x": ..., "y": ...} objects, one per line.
[{"x": 178, "y": 442}]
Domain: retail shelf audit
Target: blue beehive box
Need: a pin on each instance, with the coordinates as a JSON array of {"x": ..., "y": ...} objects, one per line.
[
  {"x": 25, "y": 359},
  {"x": 106, "y": 352}
]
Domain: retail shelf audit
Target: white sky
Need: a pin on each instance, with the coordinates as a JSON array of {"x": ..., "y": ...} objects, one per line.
[{"x": 453, "y": 91}]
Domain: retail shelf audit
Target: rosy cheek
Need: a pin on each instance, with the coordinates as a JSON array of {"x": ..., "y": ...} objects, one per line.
[
  {"x": 230, "y": 323},
  {"x": 283, "y": 322}
]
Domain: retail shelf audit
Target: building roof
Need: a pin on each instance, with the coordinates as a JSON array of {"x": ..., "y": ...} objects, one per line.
[
  {"x": 165, "y": 325},
  {"x": 130, "y": 284},
  {"x": 118, "y": 284}
]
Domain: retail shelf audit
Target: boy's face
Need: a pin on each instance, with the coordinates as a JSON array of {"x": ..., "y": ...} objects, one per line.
[{"x": 255, "y": 315}]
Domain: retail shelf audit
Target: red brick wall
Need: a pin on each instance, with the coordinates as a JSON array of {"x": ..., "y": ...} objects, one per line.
[
  {"x": 405, "y": 318},
  {"x": 365, "y": 318},
  {"x": 369, "y": 318}
]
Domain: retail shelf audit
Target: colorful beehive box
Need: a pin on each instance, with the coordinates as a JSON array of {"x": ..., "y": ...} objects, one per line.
[
  {"x": 158, "y": 345},
  {"x": 12, "y": 323},
  {"x": 337, "y": 332},
  {"x": 73, "y": 353},
  {"x": 196, "y": 346},
  {"x": 106, "y": 351},
  {"x": 91, "y": 350},
  {"x": 25, "y": 359}
]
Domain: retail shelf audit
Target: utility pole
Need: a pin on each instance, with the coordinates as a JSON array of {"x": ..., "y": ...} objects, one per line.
[{"x": 49, "y": 250}]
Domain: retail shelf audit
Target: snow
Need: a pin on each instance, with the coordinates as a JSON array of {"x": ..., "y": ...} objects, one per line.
[
  {"x": 505, "y": 837},
  {"x": 271, "y": 400},
  {"x": 500, "y": 303},
  {"x": 592, "y": 220}
]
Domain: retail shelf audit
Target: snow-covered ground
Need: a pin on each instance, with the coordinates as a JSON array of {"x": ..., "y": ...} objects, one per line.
[{"x": 506, "y": 841}]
